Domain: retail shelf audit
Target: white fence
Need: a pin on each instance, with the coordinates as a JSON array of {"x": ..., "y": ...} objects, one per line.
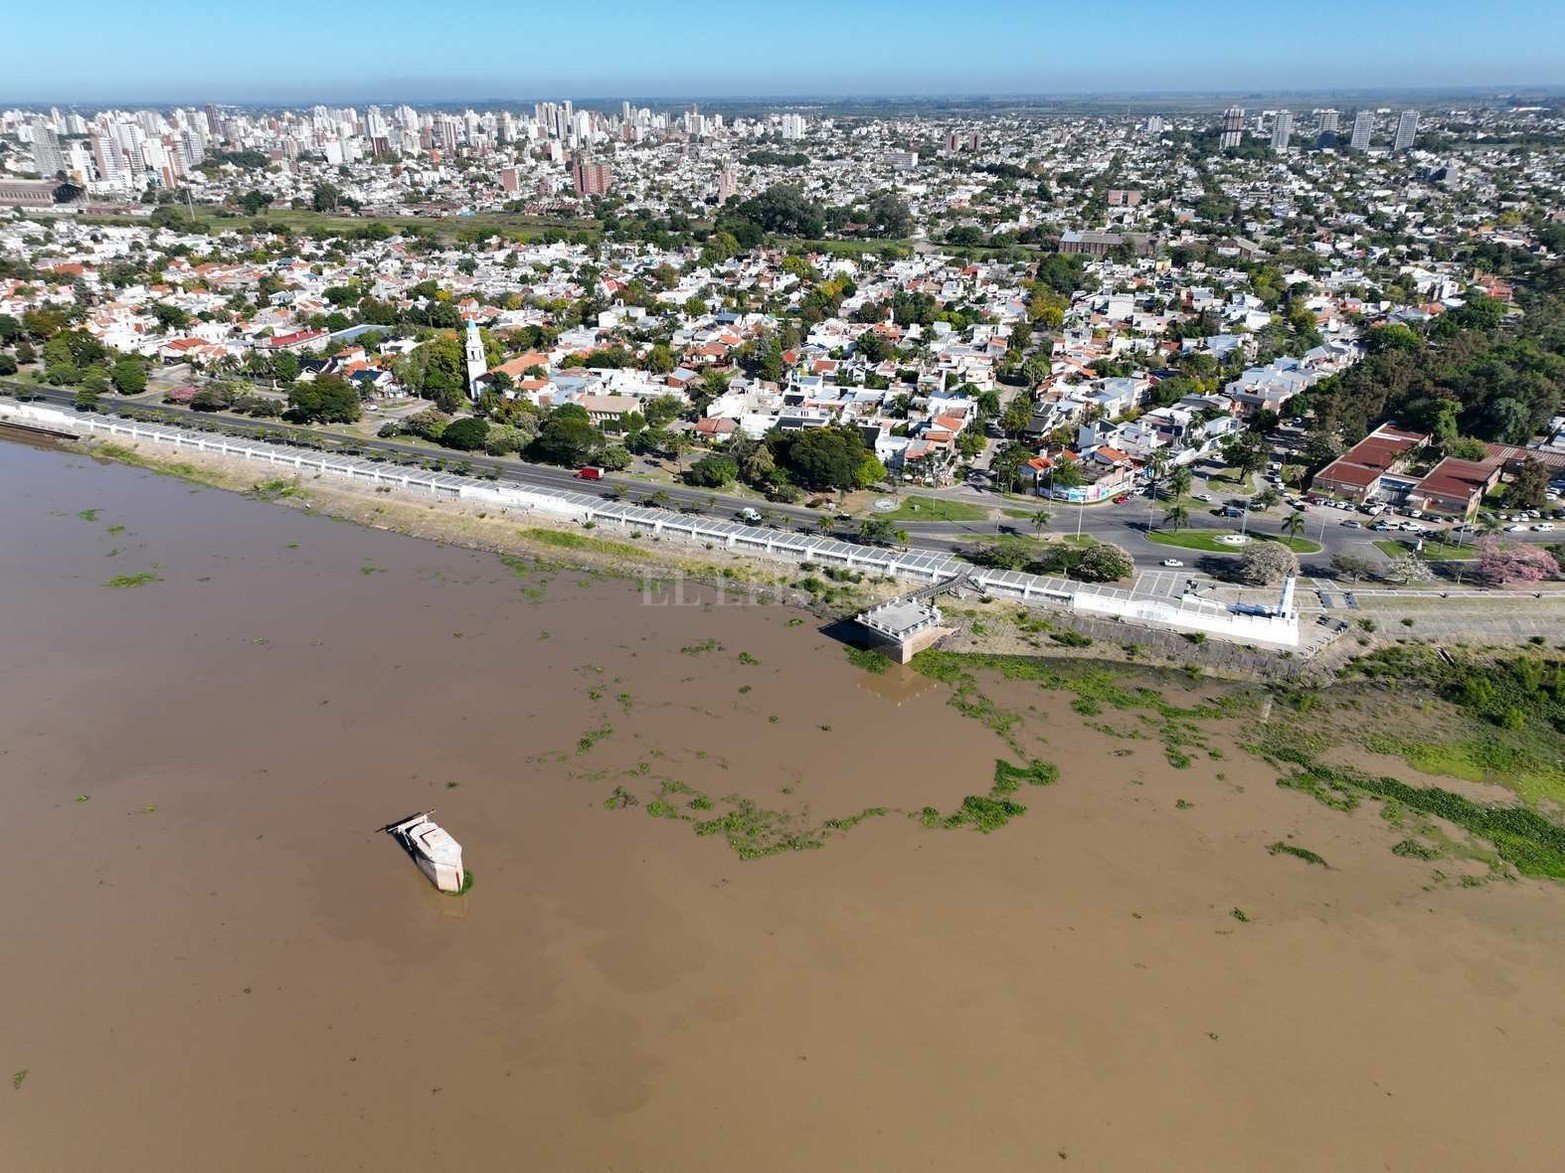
[{"x": 919, "y": 566}]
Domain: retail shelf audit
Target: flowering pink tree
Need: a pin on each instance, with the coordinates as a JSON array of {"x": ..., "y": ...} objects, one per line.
[{"x": 1502, "y": 563}]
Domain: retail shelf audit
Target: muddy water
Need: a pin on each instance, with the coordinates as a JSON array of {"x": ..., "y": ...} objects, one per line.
[{"x": 212, "y": 962}]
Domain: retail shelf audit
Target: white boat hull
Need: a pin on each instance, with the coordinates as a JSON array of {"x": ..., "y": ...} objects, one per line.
[{"x": 437, "y": 854}]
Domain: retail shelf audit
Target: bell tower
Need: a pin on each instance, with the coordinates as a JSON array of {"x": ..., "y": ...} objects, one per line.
[{"x": 477, "y": 367}]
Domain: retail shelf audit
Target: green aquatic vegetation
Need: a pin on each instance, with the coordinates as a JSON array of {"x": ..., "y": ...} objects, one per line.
[
  {"x": 125, "y": 581},
  {"x": 848, "y": 822},
  {"x": 1008, "y": 778},
  {"x": 18, "y": 1078},
  {"x": 620, "y": 799},
  {"x": 754, "y": 832},
  {"x": 747, "y": 659},
  {"x": 587, "y": 740},
  {"x": 1239, "y": 915},
  {"x": 89, "y": 514},
  {"x": 868, "y": 659},
  {"x": 1304, "y": 853},
  {"x": 982, "y": 812},
  {"x": 1520, "y": 836},
  {"x": 700, "y": 649},
  {"x": 1526, "y": 761},
  {"x": 115, "y": 529}
]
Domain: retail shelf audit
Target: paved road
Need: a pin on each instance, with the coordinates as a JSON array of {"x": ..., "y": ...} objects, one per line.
[{"x": 1125, "y": 525}]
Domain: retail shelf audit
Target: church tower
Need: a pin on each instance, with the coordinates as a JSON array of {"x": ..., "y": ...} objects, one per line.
[{"x": 477, "y": 367}]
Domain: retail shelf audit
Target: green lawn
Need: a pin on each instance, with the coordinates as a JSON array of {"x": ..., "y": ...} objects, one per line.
[
  {"x": 1432, "y": 551},
  {"x": 935, "y": 509},
  {"x": 1207, "y": 540}
]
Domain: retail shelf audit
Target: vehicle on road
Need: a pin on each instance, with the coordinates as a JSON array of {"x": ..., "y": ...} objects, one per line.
[
  {"x": 1172, "y": 562},
  {"x": 1515, "y": 529},
  {"x": 749, "y": 515},
  {"x": 590, "y": 473},
  {"x": 1544, "y": 527},
  {"x": 1352, "y": 523},
  {"x": 1122, "y": 498},
  {"x": 1203, "y": 497}
]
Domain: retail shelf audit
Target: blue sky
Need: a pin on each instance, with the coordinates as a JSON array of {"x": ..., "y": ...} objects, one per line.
[{"x": 288, "y": 50}]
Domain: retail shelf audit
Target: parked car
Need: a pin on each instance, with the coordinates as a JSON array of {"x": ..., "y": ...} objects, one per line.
[{"x": 1172, "y": 562}]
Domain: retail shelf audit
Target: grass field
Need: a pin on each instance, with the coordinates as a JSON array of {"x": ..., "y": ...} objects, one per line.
[
  {"x": 935, "y": 509},
  {"x": 1207, "y": 540}
]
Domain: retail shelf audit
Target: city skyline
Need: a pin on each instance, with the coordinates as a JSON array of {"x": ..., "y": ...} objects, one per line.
[{"x": 291, "y": 53}]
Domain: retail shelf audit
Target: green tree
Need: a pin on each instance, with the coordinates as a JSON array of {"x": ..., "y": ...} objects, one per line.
[
  {"x": 1293, "y": 524},
  {"x": 129, "y": 375},
  {"x": 1530, "y": 486},
  {"x": 713, "y": 472},
  {"x": 465, "y": 435},
  {"x": 170, "y": 317},
  {"x": 1176, "y": 515},
  {"x": 877, "y": 531},
  {"x": 1104, "y": 562},
  {"x": 86, "y": 398},
  {"x": 821, "y": 458},
  {"x": 327, "y": 399},
  {"x": 566, "y": 438},
  {"x": 1040, "y": 520}
]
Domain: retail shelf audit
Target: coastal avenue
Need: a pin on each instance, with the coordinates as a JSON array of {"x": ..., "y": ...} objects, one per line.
[{"x": 1123, "y": 525}]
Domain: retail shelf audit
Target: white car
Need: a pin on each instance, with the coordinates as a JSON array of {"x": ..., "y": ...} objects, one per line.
[
  {"x": 1515, "y": 529},
  {"x": 1177, "y": 562},
  {"x": 1544, "y": 527},
  {"x": 1203, "y": 496}
]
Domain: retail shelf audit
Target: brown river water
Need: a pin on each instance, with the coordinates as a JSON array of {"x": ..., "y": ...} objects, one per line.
[{"x": 212, "y": 961}]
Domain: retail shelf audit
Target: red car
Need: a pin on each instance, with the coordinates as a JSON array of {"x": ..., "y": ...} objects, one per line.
[{"x": 1122, "y": 498}]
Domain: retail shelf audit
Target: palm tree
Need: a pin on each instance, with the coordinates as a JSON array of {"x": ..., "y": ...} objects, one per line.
[
  {"x": 1177, "y": 514},
  {"x": 1489, "y": 525},
  {"x": 825, "y": 523},
  {"x": 1293, "y": 524},
  {"x": 1039, "y": 519}
]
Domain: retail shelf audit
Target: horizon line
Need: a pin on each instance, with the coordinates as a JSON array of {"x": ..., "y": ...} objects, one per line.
[{"x": 1555, "y": 90}]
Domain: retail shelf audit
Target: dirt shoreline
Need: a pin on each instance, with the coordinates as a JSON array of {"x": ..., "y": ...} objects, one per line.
[{"x": 980, "y": 624}]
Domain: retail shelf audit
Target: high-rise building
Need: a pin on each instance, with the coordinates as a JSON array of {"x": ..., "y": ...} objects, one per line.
[
  {"x": 591, "y": 179},
  {"x": 508, "y": 179},
  {"x": 1328, "y": 122},
  {"x": 1407, "y": 130},
  {"x": 727, "y": 184},
  {"x": 48, "y": 160},
  {"x": 1233, "y": 128},
  {"x": 1363, "y": 128},
  {"x": 1282, "y": 130},
  {"x": 1154, "y": 124}
]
